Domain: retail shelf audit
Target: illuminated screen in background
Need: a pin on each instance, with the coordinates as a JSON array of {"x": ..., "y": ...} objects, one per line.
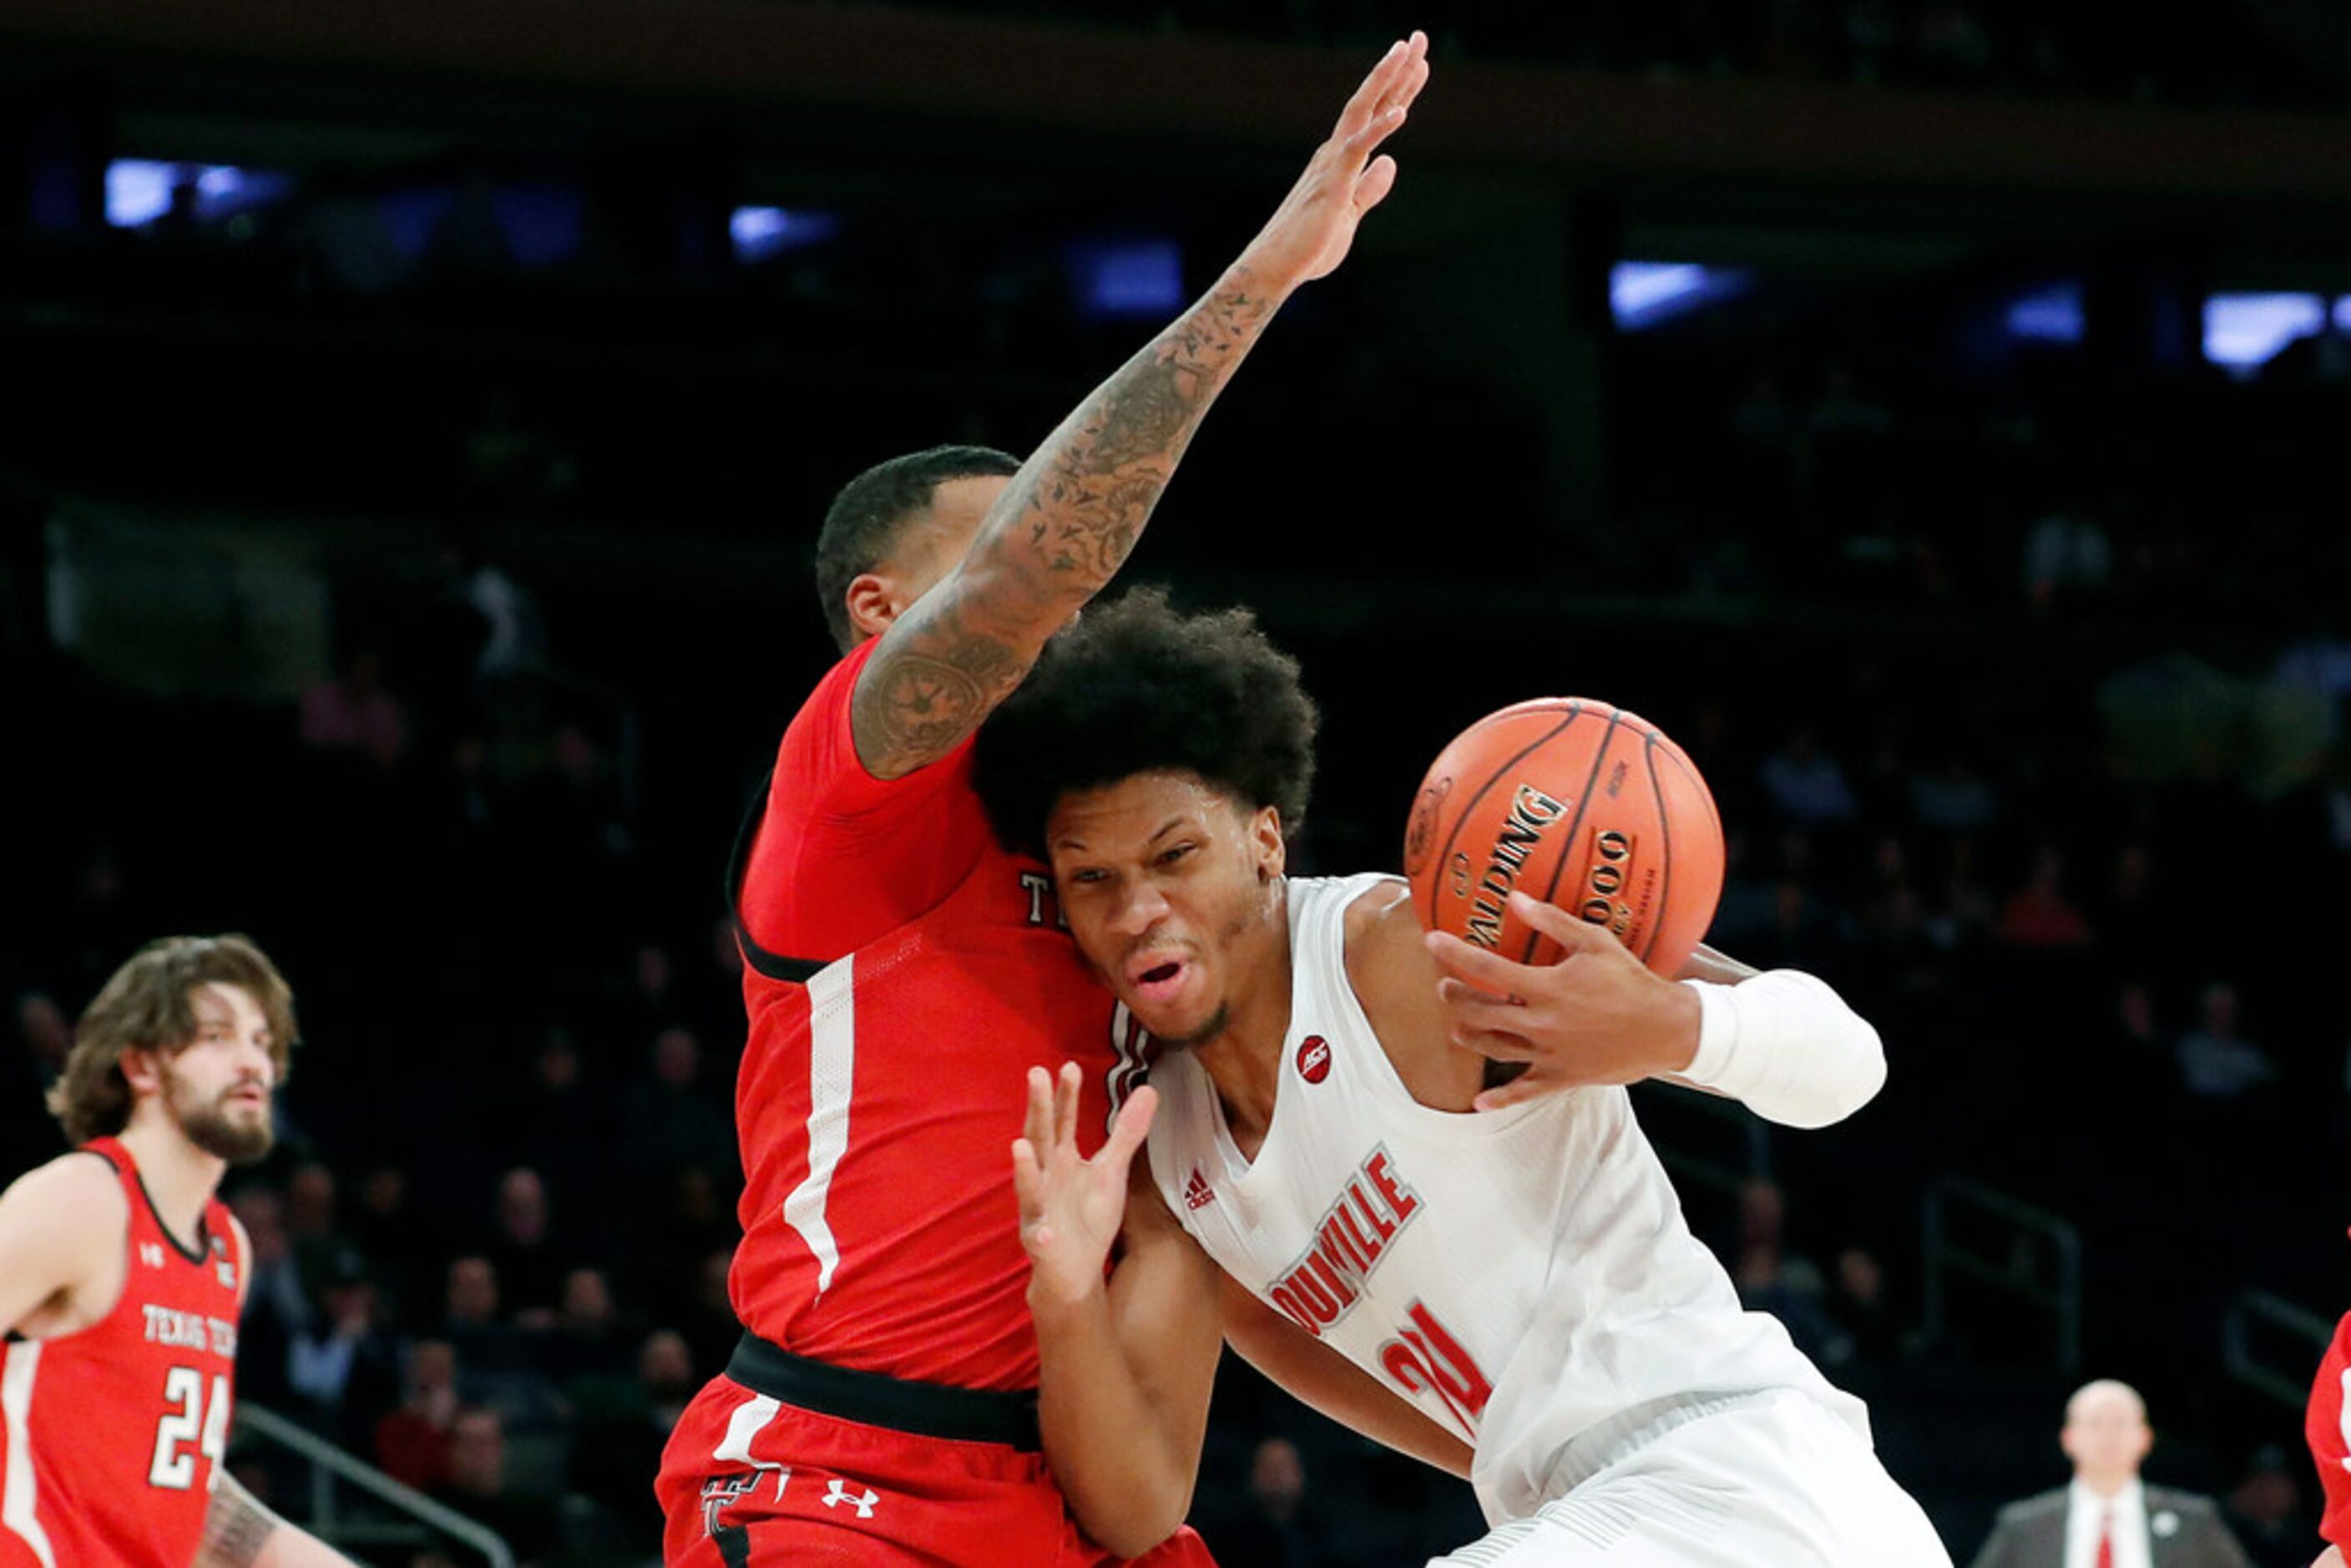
[
  {"x": 1114, "y": 279},
  {"x": 760, "y": 233},
  {"x": 1644, "y": 294},
  {"x": 140, "y": 190},
  {"x": 2244, "y": 333}
]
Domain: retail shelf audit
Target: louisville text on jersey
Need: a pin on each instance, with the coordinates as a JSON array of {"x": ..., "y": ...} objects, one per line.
[{"x": 1320, "y": 1287}]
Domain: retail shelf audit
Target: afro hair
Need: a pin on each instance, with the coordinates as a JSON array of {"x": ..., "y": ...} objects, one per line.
[{"x": 1136, "y": 687}]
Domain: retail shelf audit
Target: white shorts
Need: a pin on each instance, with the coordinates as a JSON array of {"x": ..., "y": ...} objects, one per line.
[{"x": 1772, "y": 1482}]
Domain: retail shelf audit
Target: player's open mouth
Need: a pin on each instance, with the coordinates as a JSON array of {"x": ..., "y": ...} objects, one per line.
[{"x": 1156, "y": 981}]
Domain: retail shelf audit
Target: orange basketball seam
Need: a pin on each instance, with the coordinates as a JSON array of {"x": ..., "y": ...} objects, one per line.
[
  {"x": 1574, "y": 710},
  {"x": 1567, "y": 844}
]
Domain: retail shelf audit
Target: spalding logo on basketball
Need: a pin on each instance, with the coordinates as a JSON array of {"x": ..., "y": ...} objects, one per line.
[
  {"x": 1579, "y": 804},
  {"x": 1314, "y": 1059}
]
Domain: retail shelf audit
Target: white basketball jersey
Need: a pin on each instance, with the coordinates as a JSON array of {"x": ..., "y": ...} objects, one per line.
[{"x": 1525, "y": 1276}]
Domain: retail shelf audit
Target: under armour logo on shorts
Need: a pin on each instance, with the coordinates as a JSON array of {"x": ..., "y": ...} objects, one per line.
[{"x": 836, "y": 1493}]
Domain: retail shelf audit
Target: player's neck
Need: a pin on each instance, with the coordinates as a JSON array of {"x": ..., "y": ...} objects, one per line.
[
  {"x": 1244, "y": 1059},
  {"x": 180, "y": 1177}
]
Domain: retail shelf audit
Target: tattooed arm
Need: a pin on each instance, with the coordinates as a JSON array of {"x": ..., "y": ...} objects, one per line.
[
  {"x": 241, "y": 1533},
  {"x": 1065, "y": 523}
]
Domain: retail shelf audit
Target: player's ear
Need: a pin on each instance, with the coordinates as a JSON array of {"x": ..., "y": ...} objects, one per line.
[
  {"x": 1266, "y": 840},
  {"x": 141, "y": 1069},
  {"x": 873, "y": 602}
]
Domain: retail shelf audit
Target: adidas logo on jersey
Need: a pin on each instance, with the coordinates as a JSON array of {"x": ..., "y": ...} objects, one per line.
[{"x": 1197, "y": 1193}]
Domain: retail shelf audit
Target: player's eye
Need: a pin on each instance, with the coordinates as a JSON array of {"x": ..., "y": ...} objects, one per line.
[
  {"x": 1175, "y": 852},
  {"x": 1086, "y": 876}
]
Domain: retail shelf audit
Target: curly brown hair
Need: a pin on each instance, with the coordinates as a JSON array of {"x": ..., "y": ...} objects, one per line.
[
  {"x": 1135, "y": 686},
  {"x": 148, "y": 1006}
]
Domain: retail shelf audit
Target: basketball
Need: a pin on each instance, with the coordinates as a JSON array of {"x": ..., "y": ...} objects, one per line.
[{"x": 1579, "y": 804}]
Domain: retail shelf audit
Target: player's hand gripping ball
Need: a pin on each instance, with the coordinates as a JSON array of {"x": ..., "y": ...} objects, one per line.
[{"x": 1580, "y": 805}]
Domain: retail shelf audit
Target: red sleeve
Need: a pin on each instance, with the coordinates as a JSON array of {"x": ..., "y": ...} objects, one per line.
[
  {"x": 2330, "y": 1437},
  {"x": 842, "y": 857}
]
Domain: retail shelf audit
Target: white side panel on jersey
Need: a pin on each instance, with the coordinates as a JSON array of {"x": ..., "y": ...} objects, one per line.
[
  {"x": 1132, "y": 1045},
  {"x": 750, "y": 1418},
  {"x": 19, "y": 1499},
  {"x": 2344, "y": 1415},
  {"x": 832, "y": 1062}
]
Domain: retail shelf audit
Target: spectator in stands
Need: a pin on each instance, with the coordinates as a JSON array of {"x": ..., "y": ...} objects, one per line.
[
  {"x": 2107, "y": 1509},
  {"x": 1270, "y": 1523},
  {"x": 2265, "y": 1513},
  {"x": 470, "y": 1317},
  {"x": 390, "y": 1235},
  {"x": 585, "y": 1339},
  {"x": 1806, "y": 783},
  {"x": 477, "y": 1487},
  {"x": 275, "y": 1305},
  {"x": 2040, "y": 914},
  {"x": 1772, "y": 1278},
  {"x": 2216, "y": 1062},
  {"x": 1857, "y": 1304},
  {"x": 620, "y": 1438},
  {"x": 317, "y": 1242},
  {"x": 672, "y": 1121},
  {"x": 522, "y": 1252},
  {"x": 412, "y": 1443},
  {"x": 341, "y": 1366},
  {"x": 354, "y": 713}
]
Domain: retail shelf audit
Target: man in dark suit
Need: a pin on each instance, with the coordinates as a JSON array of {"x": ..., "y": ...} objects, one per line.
[{"x": 2106, "y": 1518}]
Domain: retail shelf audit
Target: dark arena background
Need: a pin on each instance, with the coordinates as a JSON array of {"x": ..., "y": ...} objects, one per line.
[{"x": 1931, "y": 412}]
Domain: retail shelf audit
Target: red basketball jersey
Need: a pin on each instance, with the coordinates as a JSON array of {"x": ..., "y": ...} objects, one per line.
[
  {"x": 883, "y": 1080},
  {"x": 110, "y": 1434},
  {"x": 2330, "y": 1436}
]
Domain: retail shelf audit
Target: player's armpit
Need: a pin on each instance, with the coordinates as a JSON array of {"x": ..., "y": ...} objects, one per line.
[
  {"x": 63, "y": 1229},
  {"x": 1317, "y": 1375},
  {"x": 239, "y": 1532}
]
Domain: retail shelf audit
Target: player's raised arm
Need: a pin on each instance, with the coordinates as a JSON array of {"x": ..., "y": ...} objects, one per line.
[
  {"x": 1069, "y": 517},
  {"x": 1125, "y": 1368}
]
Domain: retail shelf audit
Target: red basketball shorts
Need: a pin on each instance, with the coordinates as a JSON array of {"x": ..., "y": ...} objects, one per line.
[{"x": 751, "y": 1481}]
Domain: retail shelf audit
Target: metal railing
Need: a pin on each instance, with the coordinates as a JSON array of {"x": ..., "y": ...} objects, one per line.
[
  {"x": 330, "y": 1464},
  {"x": 1971, "y": 1231},
  {"x": 2255, "y": 1315}
]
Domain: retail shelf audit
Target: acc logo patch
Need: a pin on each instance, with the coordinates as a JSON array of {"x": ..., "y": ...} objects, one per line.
[{"x": 1314, "y": 1059}]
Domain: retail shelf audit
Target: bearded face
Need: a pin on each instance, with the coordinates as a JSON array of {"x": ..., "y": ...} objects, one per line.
[{"x": 234, "y": 1122}]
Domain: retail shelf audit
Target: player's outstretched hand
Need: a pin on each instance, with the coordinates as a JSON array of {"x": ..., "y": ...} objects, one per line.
[
  {"x": 1309, "y": 233},
  {"x": 1597, "y": 1016},
  {"x": 1071, "y": 1207}
]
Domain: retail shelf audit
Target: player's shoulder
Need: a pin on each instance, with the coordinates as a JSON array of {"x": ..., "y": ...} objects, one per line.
[
  {"x": 75, "y": 1204},
  {"x": 1380, "y": 917},
  {"x": 81, "y": 1187}
]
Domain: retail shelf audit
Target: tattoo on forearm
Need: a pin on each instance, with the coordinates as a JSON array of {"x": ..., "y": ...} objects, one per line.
[
  {"x": 237, "y": 1528},
  {"x": 1072, "y": 517}
]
